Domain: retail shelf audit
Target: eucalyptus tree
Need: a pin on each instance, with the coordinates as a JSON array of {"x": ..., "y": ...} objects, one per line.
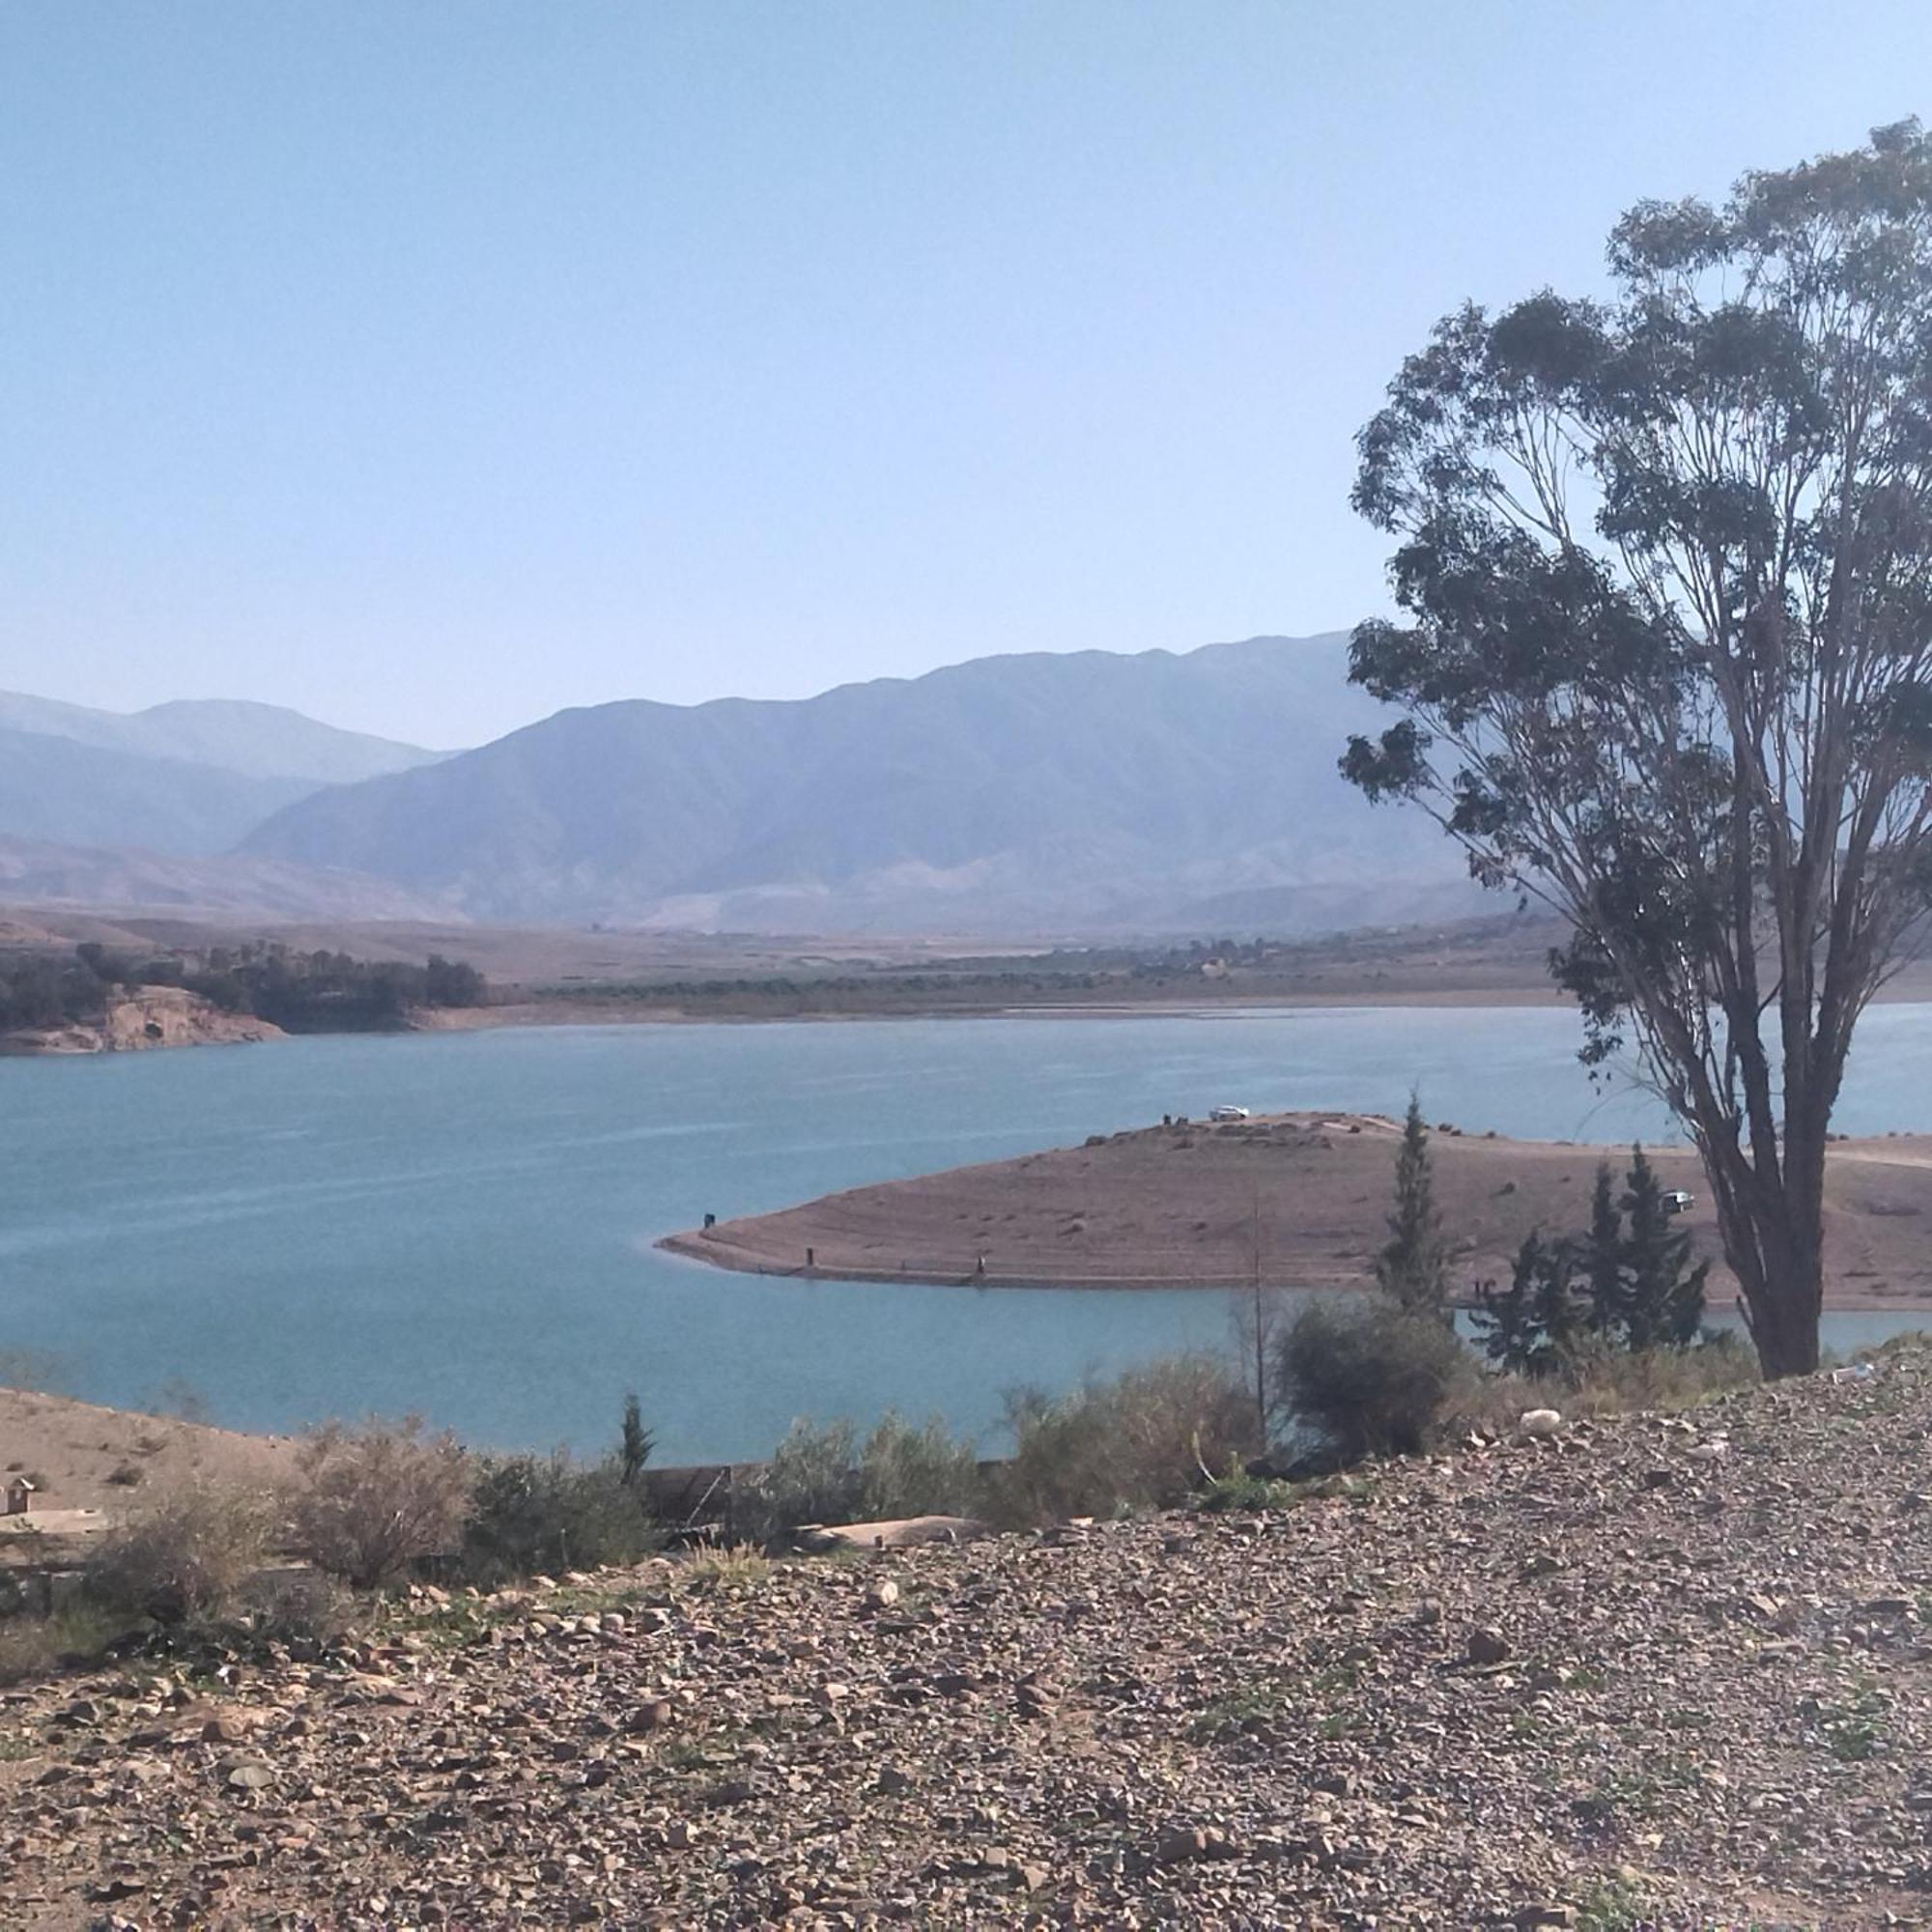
[{"x": 1664, "y": 651}]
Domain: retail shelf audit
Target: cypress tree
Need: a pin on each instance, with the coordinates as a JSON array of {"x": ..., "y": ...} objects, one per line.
[
  {"x": 1413, "y": 1267},
  {"x": 1604, "y": 1256},
  {"x": 1502, "y": 1319},
  {"x": 1664, "y": 1295},
  {"x": 1554, "y": 1309},
  {"x": 633, "y": 1446}
]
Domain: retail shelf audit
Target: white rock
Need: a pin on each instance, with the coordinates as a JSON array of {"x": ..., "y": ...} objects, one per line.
[{"x": 1534, "y": 1424}]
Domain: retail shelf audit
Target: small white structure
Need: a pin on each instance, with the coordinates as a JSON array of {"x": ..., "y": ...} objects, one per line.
[
  {"x": 20, "y": 1491},
  {"x": 1228, "y": 1114}
]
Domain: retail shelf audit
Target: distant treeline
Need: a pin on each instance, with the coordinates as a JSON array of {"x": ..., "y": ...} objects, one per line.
[
  {"x": 300, "y": 992},
  {"x": 871, "y": 987},
  {"x": 1043, "y": 976}
]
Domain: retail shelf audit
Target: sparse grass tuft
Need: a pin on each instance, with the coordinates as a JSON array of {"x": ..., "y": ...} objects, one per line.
[
  {"x": 737, "y": 1566},
  {"x": 1234, "y": 1714}
]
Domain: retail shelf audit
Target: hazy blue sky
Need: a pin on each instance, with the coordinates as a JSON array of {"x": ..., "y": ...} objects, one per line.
[{"x": 431, "y": 366}]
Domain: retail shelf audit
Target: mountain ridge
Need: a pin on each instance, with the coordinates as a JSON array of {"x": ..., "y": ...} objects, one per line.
[{"x": 1036, "y": 791}]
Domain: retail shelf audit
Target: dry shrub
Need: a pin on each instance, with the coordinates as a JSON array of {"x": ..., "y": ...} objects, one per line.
[
  {"x": 377, "y": 1501},
  {"x": 1138, "y": 1441},
  {"x": 184, "y": 1559},
  {"x": 1373, "y": 1378},
  {"x": 300, "y": 1606},
  {"x": 1607, "y": 1381},
  {"x": 1492, "y": 1402}
]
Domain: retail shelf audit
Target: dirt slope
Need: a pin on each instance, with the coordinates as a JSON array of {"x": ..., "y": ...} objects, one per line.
[{"x": 86, "y": 1458}]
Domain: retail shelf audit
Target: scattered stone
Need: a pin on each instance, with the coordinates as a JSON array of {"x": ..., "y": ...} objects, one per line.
[{"x": 1487, "y": 1646}]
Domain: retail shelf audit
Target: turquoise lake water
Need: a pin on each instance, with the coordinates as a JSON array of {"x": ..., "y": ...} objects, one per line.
[{"x": 461, "y": 1225}]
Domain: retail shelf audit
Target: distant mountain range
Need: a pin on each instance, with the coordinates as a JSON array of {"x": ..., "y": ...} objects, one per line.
[
  {"x": 188, "y": 778},
  {"x": 1046, "y": 795}
]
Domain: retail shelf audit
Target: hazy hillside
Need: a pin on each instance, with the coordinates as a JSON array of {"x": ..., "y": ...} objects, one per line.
[
  {"x": 1045, "y": 793},
  {"x": 34, "y": 873},
  {"x": 190, "y": 779},
  {"x": 81, "y": 794}
]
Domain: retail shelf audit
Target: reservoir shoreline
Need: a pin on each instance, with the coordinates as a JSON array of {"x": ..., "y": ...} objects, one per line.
[{"x": 1294, "y": 1200}]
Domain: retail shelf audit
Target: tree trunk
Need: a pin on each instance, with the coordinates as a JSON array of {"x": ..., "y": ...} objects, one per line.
[
  {"x": 1784, "y": 1317},
  {"x": 1777, "y": 1254}
]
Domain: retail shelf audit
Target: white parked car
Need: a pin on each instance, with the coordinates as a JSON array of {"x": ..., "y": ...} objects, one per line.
[
  {"x": 1228, "y": 1114},
  {"x": 1679, "y": 1201}
]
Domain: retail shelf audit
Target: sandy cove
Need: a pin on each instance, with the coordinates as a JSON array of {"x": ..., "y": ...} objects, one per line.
[{"x": 1194, "y": 1205}]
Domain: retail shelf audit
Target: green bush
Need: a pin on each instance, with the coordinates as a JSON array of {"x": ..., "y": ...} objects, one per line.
[
  {"x": 1235, "y": 1489},
  {"x": 532, "y": 1514},
  {"x": 1141, "y": 1440},
  {"x": 1371, "y": 1377},
  {"x": 33, "y": 1646},
  {"x": 812, "y": 1477},
  {"x": 185, "y": 1559},
  {"x": 906, "y": 1472}
]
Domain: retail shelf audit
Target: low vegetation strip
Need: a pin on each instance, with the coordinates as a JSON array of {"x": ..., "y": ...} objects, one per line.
[{"x": 1649, "y": 1671}]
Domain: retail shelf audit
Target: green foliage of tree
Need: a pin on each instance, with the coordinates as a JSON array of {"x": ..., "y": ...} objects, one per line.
[
  {"x": 1533, "y": 1328},
  {"x": 1664, "y": 1295},
  {"x": 1633, "y": 1286},
  {"x": 1412, "y": 1266},
  {"x": 1664, "y": 571},
  {"x": 1604, "y": 1253}
]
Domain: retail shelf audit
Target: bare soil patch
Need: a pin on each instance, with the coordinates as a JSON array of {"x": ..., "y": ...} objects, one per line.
[{"x": 110, "y": 1460}]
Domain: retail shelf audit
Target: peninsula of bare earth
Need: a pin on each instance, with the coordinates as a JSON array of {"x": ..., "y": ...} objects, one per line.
[{"x": 1298, "y": 1199}]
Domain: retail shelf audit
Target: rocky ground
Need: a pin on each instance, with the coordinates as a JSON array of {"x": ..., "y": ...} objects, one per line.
[{"x": 1672, "y": 1672}]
